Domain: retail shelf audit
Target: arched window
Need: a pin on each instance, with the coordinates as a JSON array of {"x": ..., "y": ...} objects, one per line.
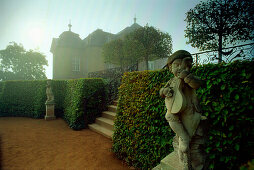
[{"x": 76, "y": 63}]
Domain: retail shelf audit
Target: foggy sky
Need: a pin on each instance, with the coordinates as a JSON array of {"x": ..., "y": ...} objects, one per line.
[{"x": 20, "y": 20}]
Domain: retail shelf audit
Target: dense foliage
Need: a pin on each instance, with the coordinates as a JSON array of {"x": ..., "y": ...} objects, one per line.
[
  {"x": 144, "y": 44},
  {"x": 18, "y": 64},
  {"x": 142, "y": 136},
  {"x": 73, "y": 98},
  {"x": 156, "y": 44},
  {"x": 83, "y": 102},
  {"x": 228, "y": 101},
  {"x": 213, "y": 24},
  {"x": 23, "y": 98},
  {"x": 59, "y": 88}
]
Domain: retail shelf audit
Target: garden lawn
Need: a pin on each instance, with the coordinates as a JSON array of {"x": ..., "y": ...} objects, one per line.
[{"x": 27, "y": 143}]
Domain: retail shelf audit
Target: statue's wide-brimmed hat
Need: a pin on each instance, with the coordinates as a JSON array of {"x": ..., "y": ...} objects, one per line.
[{"x": 180, "y": 54}]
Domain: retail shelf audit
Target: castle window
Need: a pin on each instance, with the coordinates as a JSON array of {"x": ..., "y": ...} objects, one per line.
[
  {"x": 76, "y": 63},
  {"x": 150, "y": 65}
]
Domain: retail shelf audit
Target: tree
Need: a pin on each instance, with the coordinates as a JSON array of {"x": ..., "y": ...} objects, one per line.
[
  {"x": 146, "y": 43},
  {"x": 156, "y": 44},
  {"x": 113, "y": 52},
  {"x": 133, "y": 50},
  {"x": 18, "y": 64},
  {"x": 213, "y": 24}
]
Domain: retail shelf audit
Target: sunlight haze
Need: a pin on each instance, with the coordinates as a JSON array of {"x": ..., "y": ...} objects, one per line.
[{"x": 35, "y": 23}]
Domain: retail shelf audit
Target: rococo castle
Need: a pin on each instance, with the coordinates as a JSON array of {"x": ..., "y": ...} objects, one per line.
[{"x": 75, "y": 58}]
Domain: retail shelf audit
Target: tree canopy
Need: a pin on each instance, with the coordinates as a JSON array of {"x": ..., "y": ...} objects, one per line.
[
  {"x": 113, "y": 52},
  {"x": 18, "y": 64},
  {"x": 213, "y": 24},
  {"x": 157, "y": 44},
  {"x": 144, "y": 44}
]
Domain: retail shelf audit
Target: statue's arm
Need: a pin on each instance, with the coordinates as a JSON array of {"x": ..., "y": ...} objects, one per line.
[
  {"x": 193, "y": 81},
  {"x": 166, "y": 91}
]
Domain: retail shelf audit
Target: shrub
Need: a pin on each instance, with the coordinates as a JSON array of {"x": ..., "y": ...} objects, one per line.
[
  {"x": 81, "y": 105},
  {"x": 227, "y": 100},
  {"x": 79, "y": 101},
  {"x": 59, "y": 88},
  {"x": 23, "y": 98},
  {"x": 142, "y": 136}
]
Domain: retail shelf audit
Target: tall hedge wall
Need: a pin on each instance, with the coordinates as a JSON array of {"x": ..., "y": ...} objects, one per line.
[
  {"x": 23, "y": 98},
  {"x": 73, "y": 98},
  {"x": 81, "y": 106},
  {"x": 59, "y": 88},
  {"x": 142, "y": 136}
]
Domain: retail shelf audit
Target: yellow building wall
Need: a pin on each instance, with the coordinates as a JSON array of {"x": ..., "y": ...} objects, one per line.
[
  {"x": 62, "y": 63},
  {"x": 94, "y": 59}
]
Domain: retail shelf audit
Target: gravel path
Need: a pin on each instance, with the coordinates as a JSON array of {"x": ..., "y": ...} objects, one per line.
[{"x": 27, "y": 143}]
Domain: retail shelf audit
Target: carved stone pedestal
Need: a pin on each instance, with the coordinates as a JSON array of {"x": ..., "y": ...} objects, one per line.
[
  {"x": 50, "y": 111},
  {"x": 171, "y": 162}
]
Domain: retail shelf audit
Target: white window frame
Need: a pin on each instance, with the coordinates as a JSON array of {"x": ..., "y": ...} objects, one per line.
[
  {"x": 76, "y": 63},
  {"x": 151, "y": 65}
]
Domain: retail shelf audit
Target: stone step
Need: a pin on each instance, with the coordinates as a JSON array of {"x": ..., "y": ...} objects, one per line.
[
  {"x": 115, "y": 102},
  {"x": 112, "y": 108},
  {"x": 101, "y": 130},
  {"x": 104, "y": 122},
  {"x": 109, "y": 115}
]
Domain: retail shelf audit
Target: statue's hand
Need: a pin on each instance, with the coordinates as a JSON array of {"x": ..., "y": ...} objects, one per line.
[
  {"x": 166, "y": 92},
  {"x": 184, "y": 144},
  {"x": 162, "y": 92},
  {"x": 183, "y": 74}
]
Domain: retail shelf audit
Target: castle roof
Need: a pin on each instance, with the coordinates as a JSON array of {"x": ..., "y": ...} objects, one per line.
[
  {"x": 128, "y": 30},
  {"x": 96, "y": 38},
  {"x": 67, "y": 39}
]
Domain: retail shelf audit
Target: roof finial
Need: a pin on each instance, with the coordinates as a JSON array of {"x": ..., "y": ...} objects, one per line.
[
  {"x": 135, "y": 19},
  {"x": 69, "y": 25}
]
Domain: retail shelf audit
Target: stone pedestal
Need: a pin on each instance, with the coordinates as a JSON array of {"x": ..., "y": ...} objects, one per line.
[
  {"x": 170, "y": 162},
  {"x": 50, "y": 111}
]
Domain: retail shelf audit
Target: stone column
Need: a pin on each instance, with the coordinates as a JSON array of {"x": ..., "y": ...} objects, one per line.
[{"x": 50, "y": 111}]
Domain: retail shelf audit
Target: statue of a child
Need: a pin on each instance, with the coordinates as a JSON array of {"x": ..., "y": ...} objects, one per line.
[
  {"x": 50, "y": 95},
  {"x": 183, "y": 111}
]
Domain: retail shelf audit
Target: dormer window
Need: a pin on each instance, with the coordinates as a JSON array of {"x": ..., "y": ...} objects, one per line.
[{"x": 76, "y": 63}]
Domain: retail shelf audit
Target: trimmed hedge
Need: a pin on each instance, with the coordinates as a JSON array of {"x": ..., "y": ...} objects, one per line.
[
  {"x": 23, "y": 98},
  {"x": 142, "y": 136},
  {"x": 82, "y": 106},
  {"x": 228, "y": 100},
  {"x": 73, "y": 98},
  {"x": 59, "y": 88}
]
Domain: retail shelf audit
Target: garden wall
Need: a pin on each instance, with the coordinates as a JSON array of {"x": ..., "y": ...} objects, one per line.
[
  {"x": 73, "y": 98},
  {"x": 142, "y": 136}
]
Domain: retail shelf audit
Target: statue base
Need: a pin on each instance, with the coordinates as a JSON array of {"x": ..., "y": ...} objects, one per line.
[
  {"x": 50, "y": 111},
  {"x": 171, "y": 162}
]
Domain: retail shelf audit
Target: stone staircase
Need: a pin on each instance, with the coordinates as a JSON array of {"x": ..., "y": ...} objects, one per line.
[{"x": 105, "y": 124}]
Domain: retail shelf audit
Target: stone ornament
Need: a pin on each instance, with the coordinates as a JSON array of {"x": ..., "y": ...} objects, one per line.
[
  {"x": 50, "y": 95},
  {"x": 50, "y": 103},
  {"x": 183, "y": 111}
]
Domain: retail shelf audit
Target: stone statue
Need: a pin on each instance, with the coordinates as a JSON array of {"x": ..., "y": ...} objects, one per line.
[
  {"x": 50, "y": 103},
  {"x": 50, "y": 95},
  {"x": 183, "y": 111}
]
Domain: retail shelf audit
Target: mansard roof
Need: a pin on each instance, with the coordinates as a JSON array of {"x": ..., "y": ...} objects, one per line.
[
  {"x": 96, "y": 38},
  {"x": 128, "y": 30}
]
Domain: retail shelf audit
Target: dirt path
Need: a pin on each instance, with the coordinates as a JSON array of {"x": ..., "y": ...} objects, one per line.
[{"x": 27, "y": 143}]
